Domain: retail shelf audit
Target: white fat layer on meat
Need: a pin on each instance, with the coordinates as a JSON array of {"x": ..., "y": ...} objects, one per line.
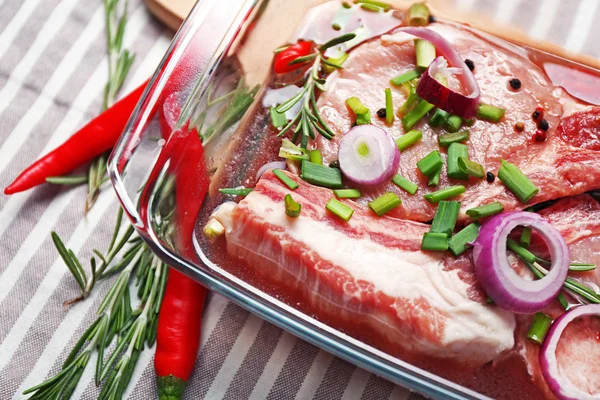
[{"x": 471, "y": 328}]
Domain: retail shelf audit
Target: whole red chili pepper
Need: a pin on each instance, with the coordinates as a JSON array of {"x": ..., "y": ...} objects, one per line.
[
  {"x": 98, "y": 136},
  {"x": 180, "y": 318},
  {"x": 283, "y": 59}
]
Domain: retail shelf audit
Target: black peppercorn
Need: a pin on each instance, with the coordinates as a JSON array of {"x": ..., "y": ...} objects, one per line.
[
  {"x": 381, "y": 113},
  {"x": 515, "y": 84},
  {"x": 431, "y": 19},
  {"x": 470, "y": 64},
  {"x": 543, "y": 125},
  {"x": 334, "y": 164},
  {"x": 490, "y": 177}
]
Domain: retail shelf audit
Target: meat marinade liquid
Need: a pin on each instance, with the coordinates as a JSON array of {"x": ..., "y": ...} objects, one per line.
[{"x": 256, "y": 143}]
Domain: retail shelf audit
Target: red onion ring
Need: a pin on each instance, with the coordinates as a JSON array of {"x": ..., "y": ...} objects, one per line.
[
  {"x": 380, "y": 162},
  {"x": 497, "y": 277},
  {"x": 433, "y": 91},
  {"x": 268, "y": 166},
  {"x": 562, "y": 387}
]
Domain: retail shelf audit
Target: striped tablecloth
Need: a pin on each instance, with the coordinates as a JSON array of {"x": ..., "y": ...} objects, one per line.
[{"x": 52, "y": 72}]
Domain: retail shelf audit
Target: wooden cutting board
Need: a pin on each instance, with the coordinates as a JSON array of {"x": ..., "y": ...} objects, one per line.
[{"x": 170, "y": 12}]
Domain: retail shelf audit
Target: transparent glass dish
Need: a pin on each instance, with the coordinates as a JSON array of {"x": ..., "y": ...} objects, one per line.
[{"x": 212, "y": 75}]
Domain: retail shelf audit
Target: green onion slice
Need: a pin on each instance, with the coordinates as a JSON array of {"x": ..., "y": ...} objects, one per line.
[
  {"x": 433, "y": 241},
  {"x": 389, "y": 107},
  {"x": 347, "y": 193},
  {"x": 490, "y": 113},
  {"x": 321, "y": 175},
  {"x": 471, "y": 168},
  {"x": 429, "y": 164},
  {"x": 456, "y": 151},
  {"x": 445, "y": 217},
  {"x": 408, "y": 139},
  {"x": 340, "y": 209},
  {"x": 449, "y": 138},
  {"x": 459, "y": 242},
  {"x": 516, "y": 181},
  {"x": 363, "y": 115},
  {"x": 539, "y": 327},
  {"x": 292, "y": 208},
  {"x": 416, "y": 114},
  {"x": 405, "y": 184},
  {"x": 453, "y": 123},
  {"x": 289, "y": 182},
  {"x": 405, "y": 77},
  {"x": 418, "y": 14},
  {"x": 452, "y": 191},
  {"x": 486, "y": 210},
  {"x": 385, "y": 203},
  {"x": 236, "y": 191}
]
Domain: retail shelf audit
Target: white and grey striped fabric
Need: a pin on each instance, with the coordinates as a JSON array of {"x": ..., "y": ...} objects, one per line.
[{"x": 52, "y": 71}]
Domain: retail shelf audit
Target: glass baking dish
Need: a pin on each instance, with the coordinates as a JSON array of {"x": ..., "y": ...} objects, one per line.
[{"x": 213, "y": 75}]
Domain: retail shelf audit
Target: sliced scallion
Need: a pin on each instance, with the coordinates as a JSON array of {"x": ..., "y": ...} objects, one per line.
[
  {"x": 405, "y": 77},
  {"x": 316, "y": 157},
  {"x": 490, "y": 113},
  {"x": 321, "y": 175},
  {"x": 445, "y": 217},
  {"x": 340, "y": 209},
  {"x": 331, "y": 64},
  {"x": 433, "y": 241},
  {"x": 455, "y": 151},
  {"x": 289, "y": 182},
  {"x": 416, "y": 114},
  {"x": 292, "y": 208},
  {"x": 525, "y": 239},
  {"x": 521, "y": 251},
  {"x": 438, "y": 118},
  {"x": 449, "y": 192},
  {"x": 425, "y": 52},
  {"x": 429, "y": 164},
  {"x": 292, "y": 152},
  {"x": 236, "y": 191},
  {"x": 405, "y": 184},
  {"x": 453, "y": 124},
  {"x": 385, "y": 203},
  {"x": 409, "y": 103},
  {"x": 278, "y": 120},
  {"x": 418, "y": 14},
  {"x": 516, "y": 181},
  {"x": 471, "y": 168},
  {"x": 347, "y": 193},
  {"x": 434, "y": 179},
  {"x": 380, "y": 4},
  {"x": 486, "y": 210},
  {"x": 459, "y": 242},
  {"x": 363, "y": 115},
  {"x": 408, "y": 139},
  {"x": 389, "y": 107},
  {"x": 449, "y": 138},
  {"x": 539, "y": 327}
]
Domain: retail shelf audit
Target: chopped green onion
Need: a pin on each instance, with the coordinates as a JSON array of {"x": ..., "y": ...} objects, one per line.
[
  {"x": 438, "y": 118},
  {"x": 521, "y": 251},
  {"x": 289, "y": 182},
  {"x": 409, "y": 103},
  {"x": 292, "y": 152},
  {"x": 380, "y": 4},
  {"x": 331, "y": 64},
  {"x": 236, "y": 191},
  {"x": 458, "y": 243},
  {"x": 563, "y": 302},
  {"x": 455, "y": 151},
  {"x": 292, "y": 209},
  {"x": 453, "y": 123},
  {"x": 347, "y": 193},
  {"x": 525, "y": 237},
  {"x": 363, "y": 115},
  {"x": 433, "y": 241},
  {"x": 316, "y": 157},
  {"x": 445, "y": 217},
  {"x": 425, "y": 51},
  {"x": 213, "y": 229},
  {"x": 434, "y": 180},
  {"x": 340, "y": 209},
  {"x": 516, "y": 181},
  {"x": 429, "y": 164},
  {"x": 575, "y": 267},
  {"x": 452, "y": 191},
  {"x": 486, "y": 210},
  {"x": 539, "y": 327},
  {"x": 408, "y": 139},
  {"x": 418, "y": 15},
  {"x": 416, "y": 114},
  {"x": 471, "y": 168},
  {"x": 385, "y": 203},
  {"x": 490, "y": 113},
  {"x": 370, "y": 7},
  {"x": 449, "y": 138},
  {"x": 389, "y": 107},
  {"x": 277, "y": 119},
  {"x": 404, "y": 184},
  {"x": 405, "y": 77},
  {"x": 321, "y": 175}
]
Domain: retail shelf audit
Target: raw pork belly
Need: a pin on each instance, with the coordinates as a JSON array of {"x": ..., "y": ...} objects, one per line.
[
  {"x": 369, "y": 271},
  {"x": 568, "y": 163}
]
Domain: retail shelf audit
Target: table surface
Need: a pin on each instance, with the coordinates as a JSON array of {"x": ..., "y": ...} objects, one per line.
[{"x": 52, "y": 72}]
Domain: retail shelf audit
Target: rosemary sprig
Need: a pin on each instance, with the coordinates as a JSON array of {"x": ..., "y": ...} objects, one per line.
[
  {"x": 119, "y": 63},
  {"x": 309, "y": 119},
  {"x": 132, "y": 328}
]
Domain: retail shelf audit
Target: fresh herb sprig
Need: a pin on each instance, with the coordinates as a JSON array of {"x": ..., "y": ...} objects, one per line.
[
  {"x": 133, "y": 329},
  {"x": 119, "y": 63},
  {"x": 308, "y": 119}
]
